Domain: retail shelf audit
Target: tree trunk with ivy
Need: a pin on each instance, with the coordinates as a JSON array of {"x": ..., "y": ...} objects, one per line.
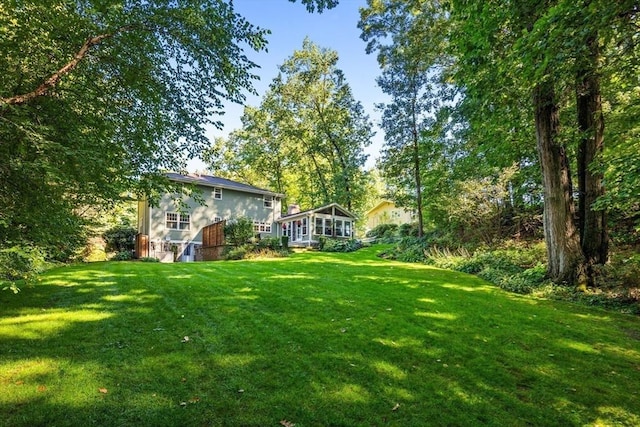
[
  {"x": 564, "y": 254},
  {"x": 594, "y": 238}
]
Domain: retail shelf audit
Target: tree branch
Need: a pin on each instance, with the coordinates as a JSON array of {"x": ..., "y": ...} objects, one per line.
[{"x": 53, "y": 80}]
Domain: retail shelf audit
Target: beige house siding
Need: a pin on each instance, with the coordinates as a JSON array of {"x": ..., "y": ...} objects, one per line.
[{"x": 386, "y": 212}]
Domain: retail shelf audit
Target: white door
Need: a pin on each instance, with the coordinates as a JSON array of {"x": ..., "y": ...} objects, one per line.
[
  {"x": 187, "y": 254},
  {"x": 298, "y": 229}
]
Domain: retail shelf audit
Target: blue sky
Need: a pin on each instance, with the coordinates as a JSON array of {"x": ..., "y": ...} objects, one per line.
[{"x": 290, "y": 23}]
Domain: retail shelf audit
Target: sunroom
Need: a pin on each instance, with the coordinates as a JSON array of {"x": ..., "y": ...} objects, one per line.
[{"x": 307, "y": 227}]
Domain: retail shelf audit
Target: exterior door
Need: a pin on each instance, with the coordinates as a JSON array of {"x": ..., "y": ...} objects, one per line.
[{"x": 187, "y": 254}]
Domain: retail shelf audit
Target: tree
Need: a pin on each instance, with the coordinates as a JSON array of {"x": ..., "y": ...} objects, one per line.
[
  {"x": 556, "y": 46},
  {"x": 514, "y": 64},
  {"x": 307, "y": 137},
  {"x": 411, "y": 78},
  {"x": 96, "y": 98}
]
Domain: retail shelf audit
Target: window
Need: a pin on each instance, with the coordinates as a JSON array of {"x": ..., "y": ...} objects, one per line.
[
  {"x": 185, "y": 222},
  {"x": 327, "y": 227},
  {"x": 268, "y": 201},
  {"x": 347, "y": 228},
  {"x": 304, "y": 226},
  {"x": 177, "y": 221},
  {"x": 217, "y": 193},
  {"x": 171, "y": 220},
  {"x": 338, "y": 228},
  {"x": 319, "y": 226},
  {"x": 261, "y": 227}
]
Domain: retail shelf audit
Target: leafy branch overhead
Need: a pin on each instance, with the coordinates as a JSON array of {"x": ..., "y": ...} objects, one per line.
[{"x": 96, "y": 98}]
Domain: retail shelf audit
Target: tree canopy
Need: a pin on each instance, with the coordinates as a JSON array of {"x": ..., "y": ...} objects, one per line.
[
  {"x": 536, "y": 81},
  {"x": 98, "y": 97},
  {"x": 307, "y": 137}
]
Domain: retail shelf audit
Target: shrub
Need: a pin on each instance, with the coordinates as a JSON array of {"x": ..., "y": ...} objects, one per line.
[
  {"x": 119, "y": 239},
  {"x": 235, "y": 253},
  {"x": 250, "y": 251},
  {"x": 20, "y": 263},
  {"x": 258, "y": 252},
  {"x": 122, "y": 256},
  {"x": 383, "y": 231},
  {"x": 238, "y": 231},
  {"x": 336, "y": 245},
  {"x": 408, "y": 230},
  {"x": 321, "y": 242},
  {"x": 273, "y": 243},
  {"x": 149, "y": 259}
]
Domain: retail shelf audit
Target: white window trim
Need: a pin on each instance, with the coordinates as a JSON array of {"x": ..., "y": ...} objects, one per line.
[
  {"x": 267, "y": 201},
  {"x": 179, "y": 220},
  {"x": 261, "y": 227},
  {"x": 217, "y": 193},
  {"x": 327, "y": 224}
]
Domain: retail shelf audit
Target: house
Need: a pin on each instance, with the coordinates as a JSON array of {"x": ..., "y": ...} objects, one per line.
[
  {"x": 307, "y": 227},
  {"x": 386, "y": 212},
  {"x": 170, "y": 233}
]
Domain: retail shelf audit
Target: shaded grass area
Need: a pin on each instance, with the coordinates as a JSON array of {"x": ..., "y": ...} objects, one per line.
[{"x": 314, "y": 339}]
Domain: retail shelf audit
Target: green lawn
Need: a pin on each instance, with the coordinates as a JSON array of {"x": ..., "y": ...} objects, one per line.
[{"x": 314, "y": 340}]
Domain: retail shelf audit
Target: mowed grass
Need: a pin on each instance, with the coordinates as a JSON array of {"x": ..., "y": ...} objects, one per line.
[{"x": 312, "y": 340}]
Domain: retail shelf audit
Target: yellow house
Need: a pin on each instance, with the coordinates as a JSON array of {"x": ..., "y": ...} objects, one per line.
[{"x": 386, "y": 212}]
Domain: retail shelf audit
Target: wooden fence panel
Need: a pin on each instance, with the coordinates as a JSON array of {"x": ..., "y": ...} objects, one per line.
[
  {"x": 213, "y": 234},
  {"x": 142, "y": 246},
  {"x": 212, "y": 241}
]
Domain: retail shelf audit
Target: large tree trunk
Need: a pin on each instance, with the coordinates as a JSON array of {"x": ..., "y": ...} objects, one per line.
[
  {"x": 416, "y": 164},
  {"x": 565, "y": 259},
  {"x": 592, "y": 224}
]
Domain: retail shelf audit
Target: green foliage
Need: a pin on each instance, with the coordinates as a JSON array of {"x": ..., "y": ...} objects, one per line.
[
  {"x": 408, "y": 230},
  {"x": 321, "y": 242},
  {"x": 516, "y": 269},
  {"x": 273, "y": 243},
  {"x": 340, "y": 245},
  {"x": 119, "y": 238},
  {"x": 20, "y": 263},
  {"x": 238, "y": 231},
  {"x": 97, "y": 97},
  {"x": 307, "y": 137},
  {"x": 491, "y": 56},
  {"x": 408, "y": 249},
  {"x": 383, "y": 231},
  {"x": 122, "y": 256},
  {"x": 236, "y": 252},
  {"x": 149, "y": 259},
  {"x": 253, "y": 251}
]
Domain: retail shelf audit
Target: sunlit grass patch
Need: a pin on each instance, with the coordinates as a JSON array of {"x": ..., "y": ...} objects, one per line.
[{"x": 315, "y": 339}]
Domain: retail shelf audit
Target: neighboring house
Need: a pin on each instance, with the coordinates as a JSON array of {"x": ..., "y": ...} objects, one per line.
[
  {"x": 306, "y": 228},
  {"x": 386, "y": 212},
  {"x": 166, "y": 229}
]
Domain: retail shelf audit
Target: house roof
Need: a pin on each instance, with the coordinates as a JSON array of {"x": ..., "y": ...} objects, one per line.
[
  {"x": 383, "y": 202},
  {"x": 214, "y": 181},
  {"x": 323, "y": 209}
]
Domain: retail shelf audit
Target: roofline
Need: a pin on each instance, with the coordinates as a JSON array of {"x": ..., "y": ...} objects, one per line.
[
  {"x": 285, "y": 218},
  {"x": 379, "y": 204},
  {"x": 192, "y": 180}
]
